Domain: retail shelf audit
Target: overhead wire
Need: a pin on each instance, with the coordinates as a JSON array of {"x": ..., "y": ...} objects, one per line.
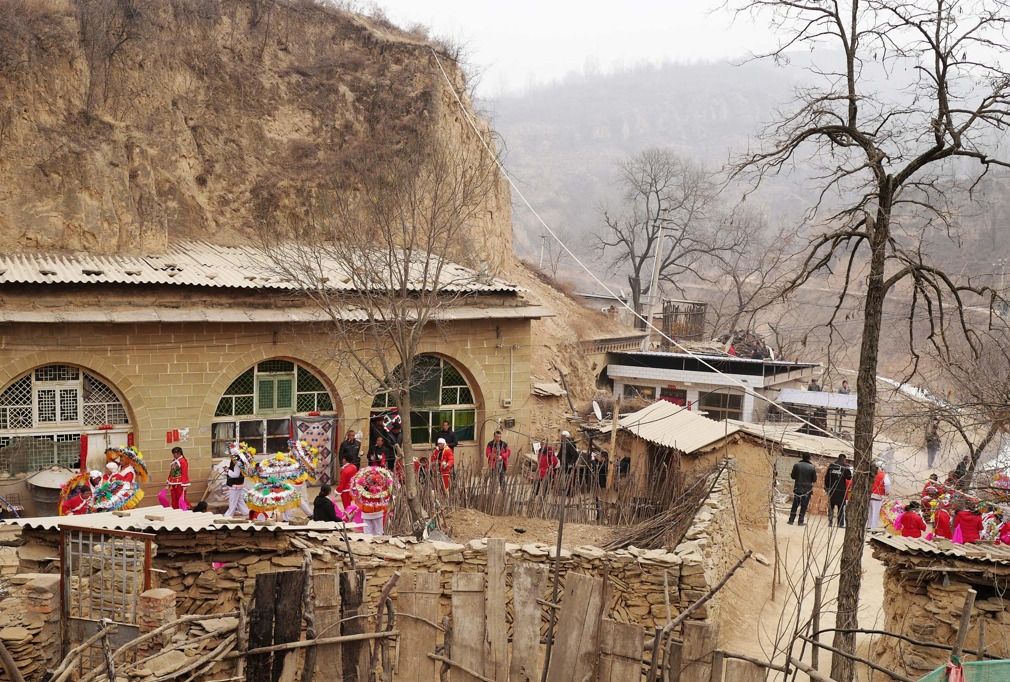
[{"x": 701, "y": 359}]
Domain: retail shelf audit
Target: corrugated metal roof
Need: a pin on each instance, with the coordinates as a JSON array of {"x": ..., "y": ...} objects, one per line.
[
  {"x": 832, "y": 401},
  {"x": 979, "y": 551},
  {"x": 263, "y": 315},
  {"x": 794, "y": 441},
  {"x": 197, "y": 263},
  {"x": 159, "y": 519},
  {"x": 672, "y": 426},
  {"x": 707, "y": 351}
]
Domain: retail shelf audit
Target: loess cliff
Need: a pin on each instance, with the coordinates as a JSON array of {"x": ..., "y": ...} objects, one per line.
[{"x": 125, "y": 124}]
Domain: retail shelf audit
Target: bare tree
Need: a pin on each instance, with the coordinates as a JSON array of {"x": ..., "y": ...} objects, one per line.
[
  {"x": 663, "y": 195},
  {"x": 746, "y": 278},
  {"x": 878, "y": 154},
  {"x": 381, "y": 265}
]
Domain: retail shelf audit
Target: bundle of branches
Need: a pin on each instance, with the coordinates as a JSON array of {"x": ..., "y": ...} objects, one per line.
[
  {"x": 667, "y": 528},
  {"x": 746, "y": 344}
]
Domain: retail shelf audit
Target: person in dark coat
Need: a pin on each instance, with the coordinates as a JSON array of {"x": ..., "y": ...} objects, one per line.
[
  {"x": 835, "y": 485},
  {"x": 350, "y": 449},
  {"x": 322, "y": 506},
  {"x": 382, "y": 454},
  {"x": 804, "y": 476},
  {"x": 448, "y": 434}
]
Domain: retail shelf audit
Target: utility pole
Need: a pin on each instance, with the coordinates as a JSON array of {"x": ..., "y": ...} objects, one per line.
[
  {"x": 543, "y": 245},
  {"x": 654, "y": 289}
]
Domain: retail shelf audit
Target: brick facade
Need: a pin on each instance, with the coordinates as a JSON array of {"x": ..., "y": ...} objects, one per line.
[{"x": 171, "y": 375}]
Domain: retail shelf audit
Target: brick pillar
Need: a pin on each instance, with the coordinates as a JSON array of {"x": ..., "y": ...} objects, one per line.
[
  {"x": 157, "y": 607},
  {"x": 43, "y": 601}
]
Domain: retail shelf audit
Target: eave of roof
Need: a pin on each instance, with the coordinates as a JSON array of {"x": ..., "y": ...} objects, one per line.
[
  {"x": 717, "y": 357},
  {"x": 944, "y": 550}
]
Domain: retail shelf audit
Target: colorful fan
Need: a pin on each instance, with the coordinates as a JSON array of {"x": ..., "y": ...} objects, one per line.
[
  {"x": 274, "y": 495},
  {"x": 129, "y": 456},
  {"x": 246, "y": 457},
  {"x": 306, "y": 455},
  {"x": 114, "y": 494},
  {"x": 282, "y": 467},
  {"x": 75, "y": 496},
  {"x": 890, "y": 512},
  {"x": 372, "y": 489}
]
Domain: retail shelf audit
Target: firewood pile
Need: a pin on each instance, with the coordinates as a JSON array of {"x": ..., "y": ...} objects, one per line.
[{"x": 746, "y": 344}]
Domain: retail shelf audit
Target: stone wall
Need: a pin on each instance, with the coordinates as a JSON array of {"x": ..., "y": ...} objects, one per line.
[
  {"x": 927, "y": 610},
  {"x": 30, "y": 623}
]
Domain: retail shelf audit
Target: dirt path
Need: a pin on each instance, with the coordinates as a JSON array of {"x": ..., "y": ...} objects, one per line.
[{"x": 757, "y": 624}]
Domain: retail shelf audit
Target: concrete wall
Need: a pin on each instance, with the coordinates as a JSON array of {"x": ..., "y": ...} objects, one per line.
[{"x": 172, "y": 375}]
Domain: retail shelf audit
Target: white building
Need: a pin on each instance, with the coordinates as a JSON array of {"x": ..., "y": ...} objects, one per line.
[{"x": 689, "y": 379}]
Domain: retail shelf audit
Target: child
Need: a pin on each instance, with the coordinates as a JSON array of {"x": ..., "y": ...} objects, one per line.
[{"x": 912, "y": 524}]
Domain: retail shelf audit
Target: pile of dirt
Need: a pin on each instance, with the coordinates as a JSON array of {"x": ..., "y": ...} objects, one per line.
[{"x": 466, "y": 524}]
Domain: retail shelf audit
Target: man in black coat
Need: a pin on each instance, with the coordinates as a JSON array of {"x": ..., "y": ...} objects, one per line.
[
  {"x": 804, "y": 476},
  {"x": 448, "y": 434},
  {"x": 836, "y": 485},
  {"x": 350, "y": 449}
]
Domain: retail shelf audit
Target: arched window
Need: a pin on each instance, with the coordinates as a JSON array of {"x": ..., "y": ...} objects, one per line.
[
  {"x": 438, "y": 392},
  {"x": 258, "y": 405},
  {"x": 44, "y": 412}
]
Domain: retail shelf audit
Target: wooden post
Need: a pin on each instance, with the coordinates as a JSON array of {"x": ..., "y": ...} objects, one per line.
[
  {"x": 261, "y": 627},
  {"x": 962, "y": 628},
  {"x": 468, "y": 624},
  {"x": 815, "y": 621},
  {"x": 700, "y": 640},
  {"x": 528, "y": 581},
  {"x": 672, "y": 660},
  {"x": 621, "y": 647},
  {"x": 287, "y": 621},
  {"x": 981, "y": 638},
  {"x": 418, "y": 596},
  {"x": 496, "y": 630},
  {"x": 614, "y": 425},
  {"x": 717, "y": 662},
  {"x": 574, "y": 657},
  {"x": 328, "y": 658},
  {"x": 744, "y": 671},
  {"x": 354, "y": 655}
]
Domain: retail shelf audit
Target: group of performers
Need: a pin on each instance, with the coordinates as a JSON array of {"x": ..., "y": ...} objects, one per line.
[
  {"x": 118, "y": 487},
  {"x": 946, "y": 512}
]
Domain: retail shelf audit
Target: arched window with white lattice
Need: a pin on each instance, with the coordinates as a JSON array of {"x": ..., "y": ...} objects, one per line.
[{"x": 44, "y": 412}]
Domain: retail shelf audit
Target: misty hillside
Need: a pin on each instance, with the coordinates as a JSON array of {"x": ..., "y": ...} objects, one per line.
[{"x": 564, "y": 141}]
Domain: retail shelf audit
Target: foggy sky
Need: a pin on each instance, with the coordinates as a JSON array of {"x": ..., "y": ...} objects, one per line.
[{"x": 517, "y": 43}]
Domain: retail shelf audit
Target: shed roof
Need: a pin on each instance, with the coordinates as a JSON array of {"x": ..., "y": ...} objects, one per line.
[
  {"x": 795, "y": 441},
  {"x": 942, "y": 549},
  {"x": 672, "y": 426},
  {"x": 831, "y": 401},
  {"x": 198, "y": 263},
  {"x": 159, "y": 519}
]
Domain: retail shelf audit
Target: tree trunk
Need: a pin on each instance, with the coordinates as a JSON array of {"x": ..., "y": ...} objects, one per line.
[
  {"x": 418, "y": 516},
  {"x": 635, "y": 288},
  {"x": 850, "y": 564}
]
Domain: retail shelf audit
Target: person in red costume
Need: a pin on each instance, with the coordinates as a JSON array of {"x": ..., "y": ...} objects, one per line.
[
  {"x": 347, "y": 471},
  {"x": 941, "y": 523},
  {"x": 970, "y": 523},
  {"x": 178, "y": 479},
  {"x": 547, "y": 465},
  {"x": 442, "y": 462},
  {"x": 912, "y": 525}
]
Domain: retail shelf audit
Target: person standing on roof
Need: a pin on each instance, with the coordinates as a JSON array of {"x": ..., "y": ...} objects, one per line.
[
  {"x": 804, "y": 475},
  {"x": 813, "y": 385},
  {"x": 835, "y": 485}
]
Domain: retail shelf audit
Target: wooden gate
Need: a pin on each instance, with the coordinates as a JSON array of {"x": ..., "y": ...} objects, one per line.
[{"x": 103, "y": 573}]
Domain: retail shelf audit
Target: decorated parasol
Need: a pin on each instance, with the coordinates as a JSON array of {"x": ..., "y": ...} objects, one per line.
[
  {"x": 114, "y": 494},
  {"x": 281, "y": 467},
  {"x": 129, "y": 456},
  {"x": 372, "y": 489},
  {"x": 75, "y": 496},
  {"x": 890, "y": 512},
  {"x": 1000, "y": 488},
  {"x": 273, "y": 495}
]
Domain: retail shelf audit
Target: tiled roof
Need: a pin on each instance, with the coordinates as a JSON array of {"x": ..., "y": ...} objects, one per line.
[
  {"x": 942, "y": 549},
  {"x": 159, "y": 519},
  {"x": 195, "y": 264},
  {"x": 672, "y": 426}
]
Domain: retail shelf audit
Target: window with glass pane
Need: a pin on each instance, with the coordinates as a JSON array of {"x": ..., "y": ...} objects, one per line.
[
  {"x": 721, "y": 406},
  {"x": 443, "y": 394},
  {"x": 221, "y": 435}
]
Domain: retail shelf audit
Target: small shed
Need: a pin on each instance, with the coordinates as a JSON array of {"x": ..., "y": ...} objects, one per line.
[
  {"x": 664, "y": 436},
  {"x": 925, "y": 587}
]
